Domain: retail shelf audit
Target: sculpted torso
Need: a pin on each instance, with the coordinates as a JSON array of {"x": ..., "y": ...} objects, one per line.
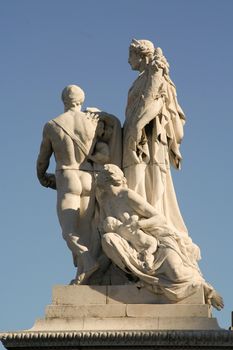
[
  {"x": 141, "y": 232},
  {"x": 67, "y": 153},
  {"x": 115, "y": 203}
]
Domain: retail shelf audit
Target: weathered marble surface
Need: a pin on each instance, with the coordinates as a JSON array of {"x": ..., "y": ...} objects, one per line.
[
  {"x": 125, "y": 227},
  {"x": 80, "y": 142},
  {"x": 99, "y": 316},
  {"x": 131, "y": 227},
  {"x": 105, "y": 308},
  {"x": 153, "y": 131}
]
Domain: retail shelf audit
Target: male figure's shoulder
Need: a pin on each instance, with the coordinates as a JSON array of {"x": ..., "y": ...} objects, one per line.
[
  {"x": 62, "y": 121},
  {"x": 47, "y": 128},
  {"x": 51, "y": 125},
  {"x": 60, "y": 117}
]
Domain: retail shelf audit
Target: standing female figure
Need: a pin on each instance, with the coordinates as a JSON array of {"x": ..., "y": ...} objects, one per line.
[{"x": 153, "y": 131}]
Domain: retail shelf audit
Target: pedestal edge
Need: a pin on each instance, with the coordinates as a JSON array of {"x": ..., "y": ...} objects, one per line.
[{"x": 31, "y": 339}]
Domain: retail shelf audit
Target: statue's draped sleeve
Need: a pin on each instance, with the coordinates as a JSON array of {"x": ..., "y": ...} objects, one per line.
[{"x": 153, "y": 98}]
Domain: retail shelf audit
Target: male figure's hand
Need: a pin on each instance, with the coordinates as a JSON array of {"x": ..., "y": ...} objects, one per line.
[{"x": 48, "y": 180}]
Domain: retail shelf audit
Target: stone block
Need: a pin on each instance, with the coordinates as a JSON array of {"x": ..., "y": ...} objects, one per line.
[
  {"x": 121, "y": 323},
  {"x": 122, "y": 308},
  {"x": 146, "y": 310},
  {"x": 188, "y": 323},
  {"x": 79, "y": 295},
  {"x": 57, "y": 324},
  {"x": 99, "y": 311},
  {"x": 130, "y": 294},
  {"x": 125, "y": 324}
]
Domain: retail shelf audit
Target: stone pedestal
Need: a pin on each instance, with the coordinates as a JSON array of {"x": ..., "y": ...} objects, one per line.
[
  {"x": 90, "y": 308},
  {"x": 121, "y": 316}
]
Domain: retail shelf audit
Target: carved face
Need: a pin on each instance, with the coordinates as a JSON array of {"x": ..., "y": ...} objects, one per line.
[
  {"x": 107, "y": 133},
  {"x": 134, "y": 59},
  {"x": 100, "y": 128}
]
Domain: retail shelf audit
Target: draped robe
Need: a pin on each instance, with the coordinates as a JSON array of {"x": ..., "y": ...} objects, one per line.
[{"x": 152, "y": 133}]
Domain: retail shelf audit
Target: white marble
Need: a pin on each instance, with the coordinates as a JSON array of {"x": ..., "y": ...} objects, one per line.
[
  {"x": 125, "y": 226},
  {"x": 137, "y": 238},
  {"x": 90, "y": 314},
  {"x": 125, "y": 323},
  {"x": 118, "y": 294},
  {"x": 153, "y": 131},
  {"x": 80, "y": 142}
]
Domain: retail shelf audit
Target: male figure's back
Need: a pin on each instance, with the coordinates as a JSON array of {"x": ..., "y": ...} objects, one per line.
[{"x": 71, "y": 137}]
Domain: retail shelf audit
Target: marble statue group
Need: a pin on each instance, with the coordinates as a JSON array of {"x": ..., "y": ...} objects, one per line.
[{"x": 116, "y": 203}]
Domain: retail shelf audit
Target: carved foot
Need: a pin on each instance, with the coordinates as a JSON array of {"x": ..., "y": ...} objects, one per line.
[{"x": 216, "y": 300}]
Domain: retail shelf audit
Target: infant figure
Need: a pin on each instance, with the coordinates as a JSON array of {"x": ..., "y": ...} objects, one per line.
[{"x": 128, "y": 228}]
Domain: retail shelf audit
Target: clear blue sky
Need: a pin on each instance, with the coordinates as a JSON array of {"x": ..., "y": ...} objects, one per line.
[{"x": 46, "y": 45}]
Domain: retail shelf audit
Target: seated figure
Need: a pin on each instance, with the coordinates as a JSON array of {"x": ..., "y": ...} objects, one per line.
[
  {"x": 137, "y": 239},
  {"x": 128, "y": 229}
]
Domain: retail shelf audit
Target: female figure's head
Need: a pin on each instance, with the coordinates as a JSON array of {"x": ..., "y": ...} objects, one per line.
[
  {"x": 110, "y": 175},
  {"x": 141, "y": 52}
]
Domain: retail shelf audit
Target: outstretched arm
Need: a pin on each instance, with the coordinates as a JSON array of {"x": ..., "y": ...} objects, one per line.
[{"x": 46, "y": 179}]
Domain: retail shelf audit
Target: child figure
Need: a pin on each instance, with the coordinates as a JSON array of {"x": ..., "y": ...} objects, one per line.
[
  {"x": 132, "y": 227},
  {"x": 101, "y": 154},
  {"x": 128, "y": 229}
]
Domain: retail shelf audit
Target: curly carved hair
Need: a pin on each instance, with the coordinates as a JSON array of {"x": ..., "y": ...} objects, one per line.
[
  {"x": 142, "y": 47},
  {"x": 146, "y": 49},
  {"x": 111, "y": 174}
]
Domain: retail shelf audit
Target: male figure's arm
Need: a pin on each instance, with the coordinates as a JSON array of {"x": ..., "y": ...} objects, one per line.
[{"x": 46, "y": 150}]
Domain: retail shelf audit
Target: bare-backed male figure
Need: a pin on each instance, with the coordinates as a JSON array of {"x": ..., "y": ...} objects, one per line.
[{"x": 71, "y": 137}]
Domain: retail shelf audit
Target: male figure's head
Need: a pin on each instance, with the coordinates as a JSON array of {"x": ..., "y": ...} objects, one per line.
[{"x": 72, "y": 96}]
